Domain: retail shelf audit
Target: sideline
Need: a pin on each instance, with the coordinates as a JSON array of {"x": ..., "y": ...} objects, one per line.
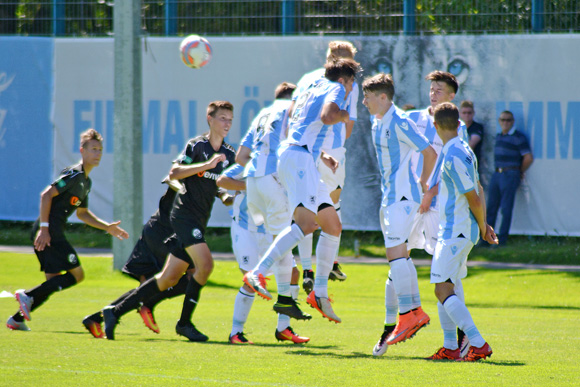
[{"x": 93, "y": 252}]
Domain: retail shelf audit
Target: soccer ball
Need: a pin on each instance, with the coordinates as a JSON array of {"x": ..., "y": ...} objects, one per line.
[{"x": 195, "y": 51}]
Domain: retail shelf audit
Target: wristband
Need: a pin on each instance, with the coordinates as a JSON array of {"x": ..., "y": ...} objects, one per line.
[{"x": 43, "y": 224}]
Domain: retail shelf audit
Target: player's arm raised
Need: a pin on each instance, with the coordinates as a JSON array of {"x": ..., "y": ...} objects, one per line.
[{"x": 42, "y": 238}]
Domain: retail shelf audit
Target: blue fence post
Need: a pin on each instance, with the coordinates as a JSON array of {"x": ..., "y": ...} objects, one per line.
[
  {"x": 170, "y": 18},
  {"x": 58, "y": 22},
  {"x": 538, "y": 15},
  {"x": 288, "y": 17},
  {"x": 409, "y": 17}
]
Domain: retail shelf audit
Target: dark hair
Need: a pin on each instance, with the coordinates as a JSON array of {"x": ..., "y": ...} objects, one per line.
[
  {"x": 446, "y": 116},
  {"x": 284, "y": 90},
  {"x": 380, "y": 83},
  {"x": 445, "y": 77},
  {"x": 88, "y": 135},
  {"x": 341, "y": 68},
  {"x": 466, "y": 104},
  {"x": 214, "y": 106}
]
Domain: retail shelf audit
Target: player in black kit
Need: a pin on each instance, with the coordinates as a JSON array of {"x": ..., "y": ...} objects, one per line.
[
  {"x": 197, "y": 168},
  {"x": 69, "y": 193}
]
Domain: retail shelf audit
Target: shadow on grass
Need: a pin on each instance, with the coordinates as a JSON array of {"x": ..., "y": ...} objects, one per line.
[
  {"x": 521, "y": 306},
  {"x": 264, "y": 345}
]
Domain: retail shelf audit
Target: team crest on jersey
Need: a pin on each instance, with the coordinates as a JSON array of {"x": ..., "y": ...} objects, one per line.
[
  {"x": 197, "y": 233},
  {"x": 404, "y": 125},
  {"x": 301, "y": 174},
  {"x": 73, "y": 259},
  {"x": 225, "y": 163},
  {"x": 454, "y": 249}
]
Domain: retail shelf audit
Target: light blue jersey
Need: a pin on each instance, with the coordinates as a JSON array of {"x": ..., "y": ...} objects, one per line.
[
  {"x": 458, "y": 172},
  {"x": 306, "y": 127},
  {"x": 239, "y": 211},
  {"x": 264, "y": 136},
  {"x": 337, "y": 136},
  {"x": 396, "y": 139}
]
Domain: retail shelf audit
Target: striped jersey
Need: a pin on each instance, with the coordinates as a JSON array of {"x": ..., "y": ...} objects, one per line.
[
  {"x": 264, "y": 136},
  {"x": 458, "y": 171},
  {"x": 396, "y": 138},
  {"x": 239, "y": 211},
  {"x": 337, "y": 136},
  {"x": 305, "y": 126}
]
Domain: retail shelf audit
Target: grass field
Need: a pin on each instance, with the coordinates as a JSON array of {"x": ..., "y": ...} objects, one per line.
[{"x": 530, "y": 318}]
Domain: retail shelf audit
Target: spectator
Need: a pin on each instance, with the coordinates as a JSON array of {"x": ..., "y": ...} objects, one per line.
[
  {"x": 474, "y": 129},
  {"x": 513, "y": 157}
]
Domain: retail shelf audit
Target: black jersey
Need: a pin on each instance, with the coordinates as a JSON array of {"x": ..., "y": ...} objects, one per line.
[
  {"x": 195, "y": 200},
  {"x": 73, "y": 188}
]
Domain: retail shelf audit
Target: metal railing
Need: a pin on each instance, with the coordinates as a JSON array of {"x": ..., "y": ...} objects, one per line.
[{"x": 293, "y": 17}]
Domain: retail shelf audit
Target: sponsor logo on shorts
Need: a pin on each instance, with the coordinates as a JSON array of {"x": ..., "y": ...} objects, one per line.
[
  {"x": 391, "y": 238},
  {"x": 301, "y": 174},
  {"x": 453, "y": 249},
  {"x": 197, "y": 233},
  {"x": 209, "y": 175},
  {"x": 312, "y": 199},
  {"x": 74, "y": 201},
  {"x": 436, "y": 275},
  {"x": 246, "y": 259},
  {"x": 73, "y": 259}
]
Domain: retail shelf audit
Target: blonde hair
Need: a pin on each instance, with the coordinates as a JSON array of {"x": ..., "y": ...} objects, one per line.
[
  {"x": 340, "y": 49},
  {"x": 90, "y": 134}
]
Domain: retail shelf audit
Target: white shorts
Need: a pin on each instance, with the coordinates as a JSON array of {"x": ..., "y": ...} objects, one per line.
[
  {"x": 396, "y": 222},
  {"x": 248, "y": 246},
  {"x": 450, "y": 260},
  {"x": 301, "y": 179},
  {"x": 424, "y": 232},
  {"x": 268, "y": 203},
  {"x": 333, "y": 180}
]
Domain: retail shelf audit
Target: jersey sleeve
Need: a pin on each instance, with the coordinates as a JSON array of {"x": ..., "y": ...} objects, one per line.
[
  {"x": 248, "y": 140},
  {"x": 66, "y": 180},
  {"x": 524, "y": 145},
  {"x": 458, "y": 168},
  {"x": 462, "y": 132},
  {"x": 188, "y": 155},
  {"x": 353, "y": 102},
  {"x": 335, "y": 94},
  {"x": 411, "y": 136},
  {"x": 236, "y": 172}
]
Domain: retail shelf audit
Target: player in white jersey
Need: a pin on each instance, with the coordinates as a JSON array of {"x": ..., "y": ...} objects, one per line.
[
  {"x": 396, "y": 138},
  {"x": 334, "y": 146},
  {"x": 249, "y": 242},
  {"x": 462, "y": 220},
  {"x": 443, "y": 88},
  {"x": 317, "y": 109}
]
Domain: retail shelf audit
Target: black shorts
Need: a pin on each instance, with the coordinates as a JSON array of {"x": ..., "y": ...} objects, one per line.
[
  {"x": 150, "y": 252},
  {"x": 59, "y": 256},
  {"x": 188, "y": 232}
]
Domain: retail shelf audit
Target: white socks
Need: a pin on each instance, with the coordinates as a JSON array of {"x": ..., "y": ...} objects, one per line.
[
  {"x": 391, "y": 302},
  {"x": 401, "y": 277},
  {"x": 461, "y": 317},
  {"x": 283, "y": 273},
  {"x": 305, "y": 252},
  {"x": 282, "y": 245},
  {"x": 242, "y": 307},
  {"x": 448, "y": 326},
  {"x": 326, "y": 251},
  {"x": 415, "y": 297}
]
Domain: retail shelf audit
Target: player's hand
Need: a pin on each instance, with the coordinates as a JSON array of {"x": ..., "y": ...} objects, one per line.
[
  {"x": 329, "y": 161},
  {"x": 215, "y": 159},
  {"x": 425, "y": 203},
  {"x": 42, "y": 239},
  {"x": 490, "y": 236},
  {"x": 117, "y": 231}
]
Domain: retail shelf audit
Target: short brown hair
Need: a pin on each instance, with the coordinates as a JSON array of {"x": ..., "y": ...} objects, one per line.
[
  {"x": 380, "y": 83},
  {"x": 88, "y": 135},
  {"x": 340, "y": 49},
  {"x": 214, "y": 106},
  {"x": 446, "y": 116},
  {"x": 341, "y": 68},
  {"x": 445, "y": 77},
  {"x": 284, "y": 90},
  {"x": 466, "y": 104}
]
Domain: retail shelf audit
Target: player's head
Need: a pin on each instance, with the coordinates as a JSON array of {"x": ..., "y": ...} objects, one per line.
[
  {"x": 446, "y": 117},
  {"x": 443, "y": 88},
  {"x": 378, "y": 91},
  {"x": 220, "y": 115},
  {"x": 284, "y": 90},
  {"x": 91, "y": 148},
  {"x": 342, "y": 70},
  {"x": 466, "y": 112},
  {"x": 340, "y": 49}
]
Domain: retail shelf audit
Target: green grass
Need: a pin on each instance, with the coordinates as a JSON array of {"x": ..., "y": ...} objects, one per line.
[
  {"x": 520, "y": 249},
  {"x": 530, "y": 318}
]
